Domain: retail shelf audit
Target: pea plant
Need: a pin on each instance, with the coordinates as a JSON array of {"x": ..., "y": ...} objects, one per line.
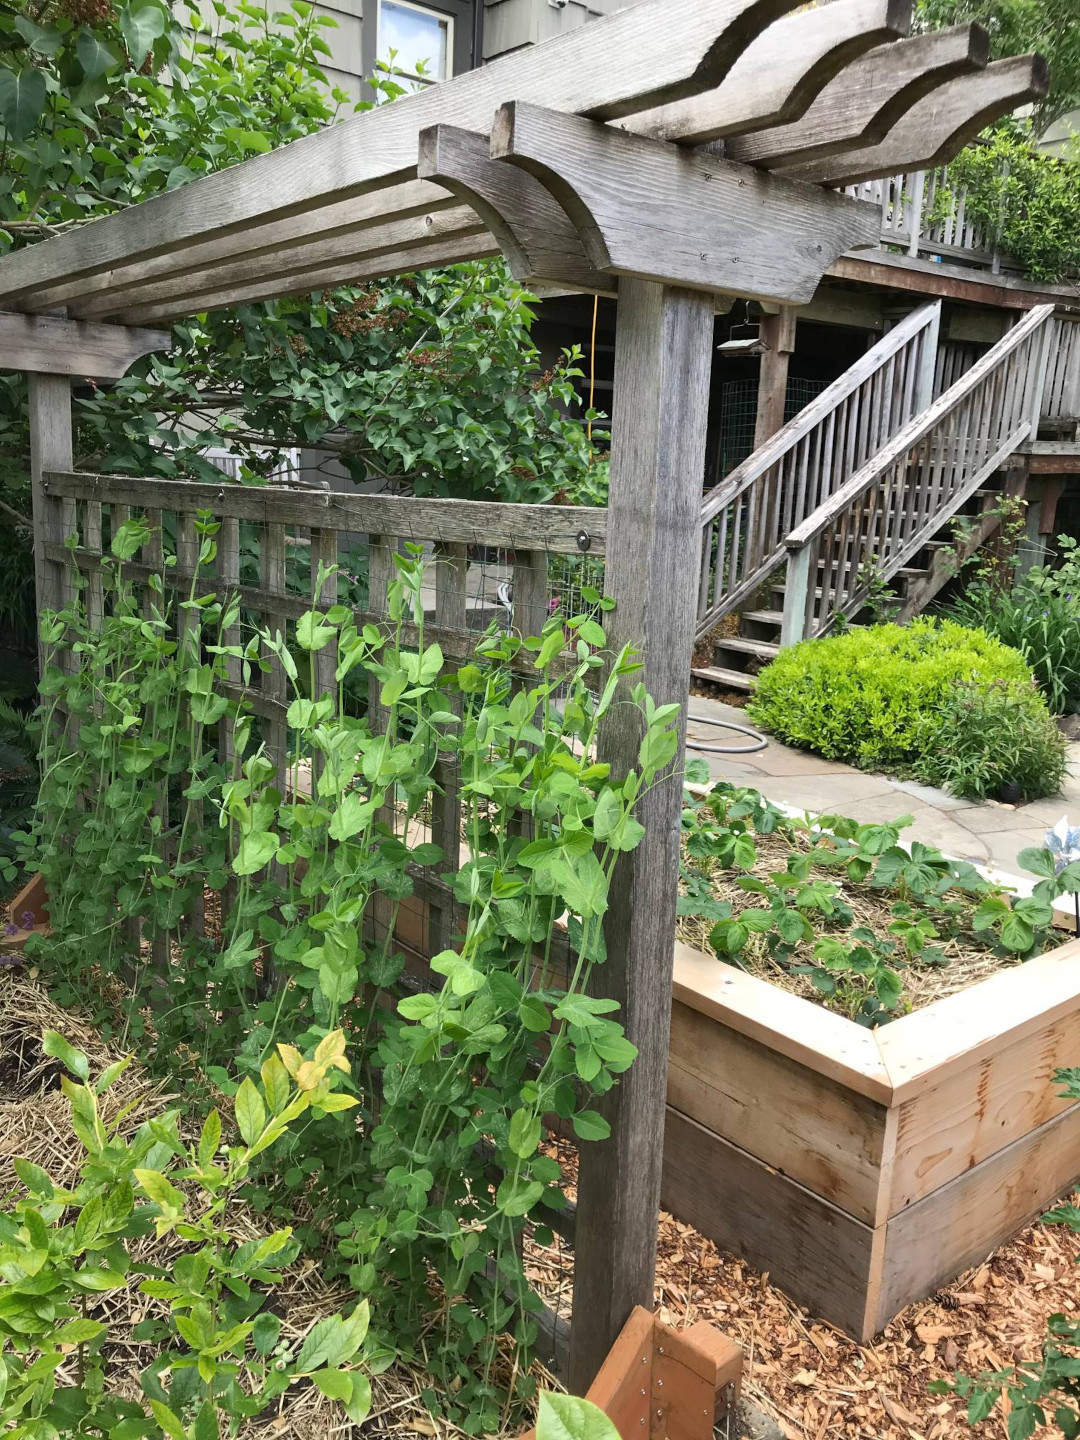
[
  {"x": 796, "y": 908},
  {"x": 422, "y": 1193},
  {"x": 220, "y": 1356}
]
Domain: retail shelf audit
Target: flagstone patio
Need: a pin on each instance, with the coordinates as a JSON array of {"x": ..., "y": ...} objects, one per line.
[{"x": 981, "y": 831}]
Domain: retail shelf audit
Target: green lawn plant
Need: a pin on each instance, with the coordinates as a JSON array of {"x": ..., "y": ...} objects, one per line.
[
  {"x": 1038, "y": 614},
  {"x": 219, "y": 1355},
  {"x": 856, "y": 971},
  {"x": 933, "y": 700},
  {"x": 457, "y": 1066}
]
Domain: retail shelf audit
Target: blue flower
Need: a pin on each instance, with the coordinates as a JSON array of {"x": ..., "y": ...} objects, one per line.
[{"x": 1063, "y": 842}]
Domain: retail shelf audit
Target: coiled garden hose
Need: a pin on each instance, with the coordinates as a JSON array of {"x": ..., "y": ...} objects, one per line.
[{"x": 759, "y": 740}]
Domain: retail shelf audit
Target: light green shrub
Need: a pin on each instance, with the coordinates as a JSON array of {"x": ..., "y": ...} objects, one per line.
[{"x": 887, "y": 697}]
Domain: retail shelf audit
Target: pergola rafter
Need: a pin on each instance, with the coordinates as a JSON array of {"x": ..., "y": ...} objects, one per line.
[
  {"x": 587, "y": 162},
  {"x": 867, "y": 99}
]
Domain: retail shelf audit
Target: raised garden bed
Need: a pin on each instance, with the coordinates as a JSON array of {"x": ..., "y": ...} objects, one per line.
[{"x": 863, "y": 1169}]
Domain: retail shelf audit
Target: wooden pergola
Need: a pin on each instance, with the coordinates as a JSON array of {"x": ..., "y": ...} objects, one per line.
[{"x": 674, "y": 153}]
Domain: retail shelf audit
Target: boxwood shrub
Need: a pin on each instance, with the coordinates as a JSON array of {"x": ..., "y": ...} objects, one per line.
[{"x": 887, "y": 697}]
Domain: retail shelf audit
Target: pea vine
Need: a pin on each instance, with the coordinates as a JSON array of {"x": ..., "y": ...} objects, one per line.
[{"x": 422, "y": 1193}]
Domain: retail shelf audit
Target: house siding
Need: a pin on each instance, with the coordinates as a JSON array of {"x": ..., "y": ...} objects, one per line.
[{"x": 512, "y": 24}]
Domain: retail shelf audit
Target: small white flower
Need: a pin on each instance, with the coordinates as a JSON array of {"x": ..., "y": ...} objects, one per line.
[{"x": 1063, "y": 842}]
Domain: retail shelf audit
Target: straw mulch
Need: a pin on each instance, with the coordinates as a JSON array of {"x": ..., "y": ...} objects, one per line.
[
  {"x": 969, "y": 958},
  {"x": 34, "y": 1125}
]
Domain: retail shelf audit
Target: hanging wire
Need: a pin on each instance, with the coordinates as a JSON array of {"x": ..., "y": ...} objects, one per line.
[{"x": 592, "y": 365}]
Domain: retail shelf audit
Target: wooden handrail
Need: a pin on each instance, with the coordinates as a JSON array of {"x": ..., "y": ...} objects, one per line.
[
  {"x": 755, "y": 465},
  {"x": 917, "y": 429},
  {"x": 878, "y": 520}
]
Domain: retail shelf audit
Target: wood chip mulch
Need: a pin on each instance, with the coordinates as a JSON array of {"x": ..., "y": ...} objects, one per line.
[{"x": 819, "y": 1385}]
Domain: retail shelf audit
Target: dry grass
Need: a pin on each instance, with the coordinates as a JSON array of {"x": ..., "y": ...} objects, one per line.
[
  {"x": 969, "y": 958},
  {"x": 34, "y": 1125}
]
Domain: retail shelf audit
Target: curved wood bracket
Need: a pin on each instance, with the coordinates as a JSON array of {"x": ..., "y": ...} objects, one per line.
[
  {"x": 863, "y": 103},
  {"x": 535, "y": 234},
  {"x": 939, "y": 126},
  {"x": 54, "y": 345},
  {"x": 780, "y": 73},
  {"x": 684, "y": 218}
]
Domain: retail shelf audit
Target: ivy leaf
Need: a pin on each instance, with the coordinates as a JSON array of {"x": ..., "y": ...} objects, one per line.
[
  {"x": 94, "y": 57},
  {"x": 22, "y": 100},
  {"x": 140, "y": 27},
  {"x": 42, "y": 39}
]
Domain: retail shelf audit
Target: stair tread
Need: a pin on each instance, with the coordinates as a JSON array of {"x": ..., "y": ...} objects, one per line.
[
  {"x": 748, "y": 646},
  {"x": 765, "y": 617},
  {"x": 733, "y": 679}
]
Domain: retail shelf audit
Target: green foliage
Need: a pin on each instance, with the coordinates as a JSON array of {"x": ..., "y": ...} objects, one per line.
[
  {"x": 137, "y": 816},
  {"x": 431, "y": 383},
  {"x": 565, "y": 1417},
  {"x": 855, "y": 970},
  {"x": 218, "y": 1356},
  {"x": 1017, "y": 27},
  {"x": 986, "y": 736},
  {"x": 1041, "y": 1392},
  {"x": 1039, "y": 616},
  {"x": 898, "y": 698},
  {"x": 1025, "y": 197}
]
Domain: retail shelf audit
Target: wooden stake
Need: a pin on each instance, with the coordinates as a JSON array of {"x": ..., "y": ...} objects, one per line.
[{"x": 662, "y": 367}]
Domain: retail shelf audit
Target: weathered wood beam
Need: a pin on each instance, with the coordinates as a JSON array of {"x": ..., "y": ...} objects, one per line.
[
  {"x": 354, "y": 250},
  {"x": 608, "y": 69},
  {"x": 683, "y": 217},
  {"x": 780, "y": 73},
  {"x": 867, "y": 99},
  {"x": 509, "y": 526},
  {"x": 663, "y": 358},
  {"x": 535, "y": 233},
  {"x": 49, "y": 406},
  {"x": 938, "y": 126},
  {"x": 477, "y": 245},
  {"x": 350, "y": 217},
  {"x": 53, "y": 345}
]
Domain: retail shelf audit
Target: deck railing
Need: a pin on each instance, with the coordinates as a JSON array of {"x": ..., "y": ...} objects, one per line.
[
  {"x": 875, "y": 523},
  {"x": 745, "y": 519},
  {"x": 924, "y": 215}
]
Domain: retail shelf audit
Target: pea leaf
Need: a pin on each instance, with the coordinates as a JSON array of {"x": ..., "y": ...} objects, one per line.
[{"x": 566, "y": 1417}]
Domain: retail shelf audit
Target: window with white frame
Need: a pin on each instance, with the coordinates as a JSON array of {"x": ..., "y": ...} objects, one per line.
[{"x": 422, "y": 39}]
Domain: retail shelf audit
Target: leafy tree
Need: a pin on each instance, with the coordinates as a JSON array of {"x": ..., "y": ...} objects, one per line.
[
  {"x": 431, "y": 382},
  {"x": 1017, "y": 27}
]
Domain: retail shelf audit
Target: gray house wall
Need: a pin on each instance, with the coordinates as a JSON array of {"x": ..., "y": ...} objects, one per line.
[{"x": 511, "y": 24}]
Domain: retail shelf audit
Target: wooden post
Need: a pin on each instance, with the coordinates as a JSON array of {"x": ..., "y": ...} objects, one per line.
[
  {"x": 662, "y": 366},
  {"x": 778, "y": 333},
  {"x": 50, "y": 449},
  {"x": 796, "y": 595},
  {"x": 928, "y": 356}
]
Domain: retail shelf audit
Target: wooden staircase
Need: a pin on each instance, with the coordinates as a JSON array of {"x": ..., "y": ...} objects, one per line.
[{"x": 884, "y": 482}]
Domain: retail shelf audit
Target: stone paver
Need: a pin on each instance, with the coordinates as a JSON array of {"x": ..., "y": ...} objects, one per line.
[{"x": 988, "y": 833}]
